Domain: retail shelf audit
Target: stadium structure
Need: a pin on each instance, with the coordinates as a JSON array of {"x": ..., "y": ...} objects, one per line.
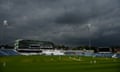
[
  {"x": 31, "y": 47},
  {"x": 36, "y": 47},
  {"x": 104, "y": 52}
]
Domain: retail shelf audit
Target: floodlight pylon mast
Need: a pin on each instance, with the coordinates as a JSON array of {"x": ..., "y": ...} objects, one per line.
[{"x": 89, "y": 30}]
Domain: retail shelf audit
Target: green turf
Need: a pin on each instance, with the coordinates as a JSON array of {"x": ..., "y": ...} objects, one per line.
[{"x": 58, "y": 64}]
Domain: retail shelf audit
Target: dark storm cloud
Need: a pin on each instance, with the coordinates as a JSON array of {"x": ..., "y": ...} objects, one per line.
[
  {"x": 61, "y": 21},
  {"x": 72, "y": 18}
]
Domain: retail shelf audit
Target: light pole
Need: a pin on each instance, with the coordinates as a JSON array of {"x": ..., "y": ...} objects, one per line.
[
  {"x": 89, "y": 30},
  {"x": 5, "y": 25}
]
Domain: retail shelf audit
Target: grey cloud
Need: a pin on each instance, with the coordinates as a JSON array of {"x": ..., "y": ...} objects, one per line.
[{"x": 61, "y": 21}]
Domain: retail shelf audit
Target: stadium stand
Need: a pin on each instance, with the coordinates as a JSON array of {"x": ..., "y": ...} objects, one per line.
[
  {"x": 33, "y": 47},
  {"x": 116, "y": 55},
  {"x": 79, "y": 52},
  {"x": 2, "y": 53},
  {"x": 103, "y": 54},
  {"x": 8, "y": 52}
]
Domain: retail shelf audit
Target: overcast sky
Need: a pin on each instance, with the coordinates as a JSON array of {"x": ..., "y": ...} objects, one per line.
[{"x": 61, "y": 21}]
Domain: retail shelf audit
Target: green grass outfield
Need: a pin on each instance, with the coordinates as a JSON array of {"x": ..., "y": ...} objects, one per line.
[{"x": 58, "y": 64}]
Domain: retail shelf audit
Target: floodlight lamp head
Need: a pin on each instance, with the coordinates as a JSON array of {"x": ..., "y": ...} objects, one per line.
[{"x": 5, "y": 22}]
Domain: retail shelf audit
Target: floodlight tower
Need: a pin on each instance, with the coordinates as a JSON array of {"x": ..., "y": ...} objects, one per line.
[
  {"x": 5, "y": 25},
  {"x": 89, "y": 30}
]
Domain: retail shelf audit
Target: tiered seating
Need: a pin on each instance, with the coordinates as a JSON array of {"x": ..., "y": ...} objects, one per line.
[
  {"x": 2, "y": 53},
  {"x": 116, "y": 55},
  {"x": 104, "y": 54},
  {"x": 7, "y": 52}
]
